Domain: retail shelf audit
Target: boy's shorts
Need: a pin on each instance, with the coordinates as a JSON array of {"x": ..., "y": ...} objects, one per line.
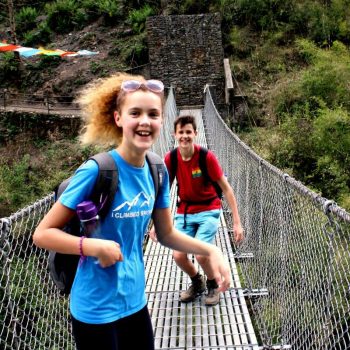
[{"x": 202, "y": 226}]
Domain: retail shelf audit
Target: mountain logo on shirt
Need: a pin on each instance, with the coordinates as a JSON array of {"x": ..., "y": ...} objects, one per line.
[{"x": 141, "y": 200}]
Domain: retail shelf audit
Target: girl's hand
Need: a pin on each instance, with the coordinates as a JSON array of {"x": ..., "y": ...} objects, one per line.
[
  {"x": 152, "y": 235},
  {"x": 221, "y": 269},
  {"x": 106, "y": 251}
]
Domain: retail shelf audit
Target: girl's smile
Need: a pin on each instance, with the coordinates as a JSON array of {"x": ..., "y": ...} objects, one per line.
[{"x": 140, "y": 118}]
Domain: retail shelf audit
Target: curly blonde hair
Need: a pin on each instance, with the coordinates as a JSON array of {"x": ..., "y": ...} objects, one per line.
[{"x": 98, "y": 102}]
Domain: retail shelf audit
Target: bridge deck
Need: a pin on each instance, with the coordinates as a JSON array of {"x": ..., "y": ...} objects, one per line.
[{"x": 194, "y": 325}]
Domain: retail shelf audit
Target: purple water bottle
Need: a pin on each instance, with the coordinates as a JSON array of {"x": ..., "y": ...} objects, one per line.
[{"x": 87, "y": 214}]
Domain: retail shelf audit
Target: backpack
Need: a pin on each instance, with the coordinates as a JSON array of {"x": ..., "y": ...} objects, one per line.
[
  {"x": 62, "y": 267},
  {"x": 202, "y": 165}
]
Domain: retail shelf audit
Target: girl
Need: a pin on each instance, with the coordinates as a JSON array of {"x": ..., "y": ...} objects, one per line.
[{"x": 108, "y": 302}]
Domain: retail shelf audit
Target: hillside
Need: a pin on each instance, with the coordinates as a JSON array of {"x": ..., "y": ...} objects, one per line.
[{"x": 63, "y": 76}]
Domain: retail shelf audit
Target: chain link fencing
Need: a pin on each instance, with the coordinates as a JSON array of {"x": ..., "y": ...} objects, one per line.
[{"x": 295, "y": 260}]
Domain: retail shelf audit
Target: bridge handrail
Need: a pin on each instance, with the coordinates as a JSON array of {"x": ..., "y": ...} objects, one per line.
[{"x": 295, "y": 260}]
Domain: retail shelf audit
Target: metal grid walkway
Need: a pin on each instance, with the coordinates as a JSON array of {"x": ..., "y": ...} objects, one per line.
[{"x": 194, "y": 325}]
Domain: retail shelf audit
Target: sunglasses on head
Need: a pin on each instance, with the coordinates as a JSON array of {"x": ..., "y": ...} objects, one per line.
[{"x": 133, "y": 85}]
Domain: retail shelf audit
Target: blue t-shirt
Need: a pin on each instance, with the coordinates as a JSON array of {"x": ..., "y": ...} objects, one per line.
[{"x": 101, "y": 295}]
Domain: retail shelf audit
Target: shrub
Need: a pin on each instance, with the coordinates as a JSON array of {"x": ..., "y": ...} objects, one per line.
[
  {"x": 324, "y": 83},
  {"x": 61, "y": 15},
  {"x": 38, "y": 36},
  {"x": 26, "y": 19},
  {"x": 9, "y": 67},
  {"x": 14, "y": 183},
  {"x": 132, "y": 51},
  {"x": 110, "y": 10},
  {"x": 331, "y": 139},
  {"x": 137, "y": 18},
  {"x": 328, "y": 77}
]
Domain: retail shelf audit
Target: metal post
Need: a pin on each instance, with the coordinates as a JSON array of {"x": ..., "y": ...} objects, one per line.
[
  {"x": 5, "y": 91},
  {"x": 5, "y": 248},
  {"x": 48, "y": 104}
]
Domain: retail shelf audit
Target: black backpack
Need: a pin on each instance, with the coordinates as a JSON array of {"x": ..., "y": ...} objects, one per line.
[
  {"x": 62, "y": 267},
  {"x": 202, "y": 165}
]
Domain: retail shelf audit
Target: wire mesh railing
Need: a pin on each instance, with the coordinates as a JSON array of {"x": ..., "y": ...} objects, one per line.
[
  {"x": 294, "y": 263},
  {"x": 295, "y": 260}
]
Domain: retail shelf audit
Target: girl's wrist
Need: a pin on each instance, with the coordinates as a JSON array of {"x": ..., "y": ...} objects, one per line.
[
  {"x": 214, "y": 251},
  {"x": 88, "y": 248},
  {"x": 81, "y": 249}
]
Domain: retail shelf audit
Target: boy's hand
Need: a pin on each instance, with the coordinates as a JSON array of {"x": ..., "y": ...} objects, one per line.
[{"x": 238, "y": 233}]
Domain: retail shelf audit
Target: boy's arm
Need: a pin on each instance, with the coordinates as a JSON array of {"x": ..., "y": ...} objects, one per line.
[
  {"x": 231, "y": 199},
  {"x": 174, "y": 239}
]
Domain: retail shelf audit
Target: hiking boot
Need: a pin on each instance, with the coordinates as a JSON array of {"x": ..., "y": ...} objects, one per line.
[
  {"x": 213, "y": 296},
  {"x": 196, "y": 288}
]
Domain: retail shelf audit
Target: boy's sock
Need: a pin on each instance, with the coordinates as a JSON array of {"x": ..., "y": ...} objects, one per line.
[
  {"x": 212, "y": 284},
  {"x": 196, "y": 277}
]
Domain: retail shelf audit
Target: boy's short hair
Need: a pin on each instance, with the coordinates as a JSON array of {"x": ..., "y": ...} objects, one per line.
[{"x": 185, "y": 119}]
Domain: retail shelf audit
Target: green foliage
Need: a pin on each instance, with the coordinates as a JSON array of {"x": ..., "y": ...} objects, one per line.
[
  {"x": 295, "y": 150},
  {"x": 9, "y": 67},
  {"x": 110, "y": 10},
  {"x": 90, "y": 9},
  {"x": 132, "y": 51},
  {"x": 137, "y": 18},
  {"x": 27, "y": 287},
  {"x": 312, "y": 146},
  {"x": 64, "y": 16},
  {"x": 38, "y": 36},
  {"x": 15, "y": 183},
  {"x": 308, "y": 50},
  {"x": 331, "y": 139},
  {"x": 194, "y": 6},
  {"x": 324, "y": 83},
  {"x": 26, "y": 19},
  {"x": 98, "y": 69},
  {"x": 328, "y": 81},
  {"x": 238, "y": 43},
  {"x": 328, "y": 22},
  {"x": 328, "y": 75},
  {"x": 322, "y": 22},
  {"x": 36, "y": 174},
  {"x": 263, "y": 14}
]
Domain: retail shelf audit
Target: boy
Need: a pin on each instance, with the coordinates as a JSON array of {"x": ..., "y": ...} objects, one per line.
[{"x": 198, "y": 211}]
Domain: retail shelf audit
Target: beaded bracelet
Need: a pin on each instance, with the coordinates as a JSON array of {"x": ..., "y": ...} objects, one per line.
[{"x": 81, "y": 252}]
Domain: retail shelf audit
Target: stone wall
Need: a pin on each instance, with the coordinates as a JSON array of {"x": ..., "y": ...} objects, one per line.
[{"x": 186, "y": 52}]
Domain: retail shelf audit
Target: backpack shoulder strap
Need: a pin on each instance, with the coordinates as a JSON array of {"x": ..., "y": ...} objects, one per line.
[
  {"x": 204, "y": 169},
  {"x": 173, "y": 162},
  {"x": 106, "y": 182},
  {"x": 61, "y": 187},
  {"x": 157, "y": 169},
  {"x": 203, "y": 163}
]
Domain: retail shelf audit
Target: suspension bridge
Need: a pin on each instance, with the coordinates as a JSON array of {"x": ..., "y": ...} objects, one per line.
[{"x": 291, "y": 275}]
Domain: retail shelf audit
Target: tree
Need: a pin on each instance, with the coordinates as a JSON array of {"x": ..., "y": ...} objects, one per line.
[{"x": 12, "y": 21}]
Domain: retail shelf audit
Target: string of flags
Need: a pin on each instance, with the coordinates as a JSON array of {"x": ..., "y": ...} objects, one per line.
[{"x": 29, "y": 51}]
